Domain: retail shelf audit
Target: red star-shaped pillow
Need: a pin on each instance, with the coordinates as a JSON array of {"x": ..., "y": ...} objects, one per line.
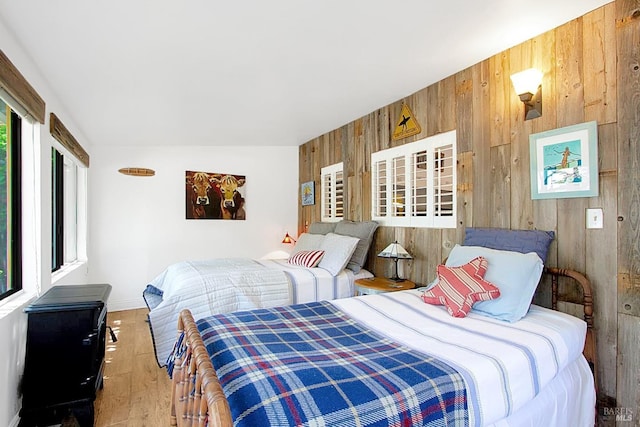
[{"x": 458, "y": 288}]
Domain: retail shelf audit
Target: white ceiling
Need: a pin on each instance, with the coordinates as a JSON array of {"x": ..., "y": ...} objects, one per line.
[{"x": 257, "y": 72}]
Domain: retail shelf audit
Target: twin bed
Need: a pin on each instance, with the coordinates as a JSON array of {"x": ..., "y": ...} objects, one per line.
[
  {"x": 228, "y": 285},
  {"x": 215, "y": 286},
  {"x": 392, "y": 359}
]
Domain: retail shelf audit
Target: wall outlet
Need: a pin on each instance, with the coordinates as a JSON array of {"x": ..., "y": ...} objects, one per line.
[{"x": 594, "y": 218}]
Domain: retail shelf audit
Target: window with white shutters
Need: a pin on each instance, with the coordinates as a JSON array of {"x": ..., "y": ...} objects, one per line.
[
  {"x": 332, "y": 189},
  {"x": 413, "y": 185}
]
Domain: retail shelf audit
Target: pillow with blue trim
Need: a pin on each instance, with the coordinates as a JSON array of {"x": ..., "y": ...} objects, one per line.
[
  {"x": 514, "y": 273},
  {"x": 523, "y": 241}
]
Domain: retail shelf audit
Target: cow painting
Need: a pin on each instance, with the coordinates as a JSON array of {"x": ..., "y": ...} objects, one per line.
[
  {"x": 232, "y": 201},
  {"x": 214, "y": 196}
]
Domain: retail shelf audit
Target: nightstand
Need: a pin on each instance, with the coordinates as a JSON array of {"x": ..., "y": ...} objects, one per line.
[{"x": 380, "y": 285}]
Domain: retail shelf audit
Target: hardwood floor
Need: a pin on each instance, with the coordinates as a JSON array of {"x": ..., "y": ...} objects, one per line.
[{"x": 136, "y": 391}]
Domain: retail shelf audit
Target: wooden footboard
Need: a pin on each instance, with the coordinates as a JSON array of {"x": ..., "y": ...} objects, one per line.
[{"x": 197, "y": 397}]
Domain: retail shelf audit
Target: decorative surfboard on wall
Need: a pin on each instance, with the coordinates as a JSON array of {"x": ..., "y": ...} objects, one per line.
[
  {"x": 212, "y": 195},
  {"x": 137, "y": 171},
  {"x": 407, "y": 125}
]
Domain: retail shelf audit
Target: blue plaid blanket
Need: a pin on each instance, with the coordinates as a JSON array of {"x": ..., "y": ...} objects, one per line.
[{"x": 311, "y": 365}]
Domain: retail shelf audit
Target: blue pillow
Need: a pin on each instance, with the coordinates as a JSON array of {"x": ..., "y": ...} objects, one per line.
[
  {"x": 515, "y": 274},
  {"x": 523, "y": 241}
]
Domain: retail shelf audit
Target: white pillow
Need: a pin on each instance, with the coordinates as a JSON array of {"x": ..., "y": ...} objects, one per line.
[
  {"x": 337, "y": 252},
  {"x": 308, "y": 242},
  {"x": 515, "y": 274}
]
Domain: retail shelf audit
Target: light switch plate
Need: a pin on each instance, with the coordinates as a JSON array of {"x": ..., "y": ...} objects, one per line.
[{"x": 594, "y": 218}]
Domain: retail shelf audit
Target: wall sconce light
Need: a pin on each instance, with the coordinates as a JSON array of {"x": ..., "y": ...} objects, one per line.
[
  {"x": 528, "y": 86},
  {"x": 288, "y": 239}
]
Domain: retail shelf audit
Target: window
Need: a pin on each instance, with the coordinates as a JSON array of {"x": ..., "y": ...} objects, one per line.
[
  {"x": 413, "y": 185},
  {"x": 332, "y": 184},
  {"x": 64, "y": 209},
  {"x": 10, "y": 206}
]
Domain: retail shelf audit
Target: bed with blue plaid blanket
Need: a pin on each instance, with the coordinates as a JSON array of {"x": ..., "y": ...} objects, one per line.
[{"x": 310, "y": 364}]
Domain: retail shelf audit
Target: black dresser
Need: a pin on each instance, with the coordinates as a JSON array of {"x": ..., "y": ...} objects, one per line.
[{"x": 65, "y": 351}]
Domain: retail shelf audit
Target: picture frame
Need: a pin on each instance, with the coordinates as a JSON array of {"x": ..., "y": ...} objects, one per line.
[
  {"x": 564, "y": 162},
  {"x": 307, "y": 193}
]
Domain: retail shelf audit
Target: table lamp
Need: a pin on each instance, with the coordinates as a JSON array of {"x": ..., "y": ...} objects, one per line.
[{"x": 395, "y": 251}]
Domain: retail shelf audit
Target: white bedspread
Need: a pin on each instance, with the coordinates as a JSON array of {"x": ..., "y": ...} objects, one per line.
[
  {"x": 504, "y": 365},
  {"x": 209, "y": 287},
  {"x": 232, "y": 284}
]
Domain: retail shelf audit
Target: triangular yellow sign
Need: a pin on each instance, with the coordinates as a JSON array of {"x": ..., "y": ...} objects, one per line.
[{"x": 406, "y": 125}]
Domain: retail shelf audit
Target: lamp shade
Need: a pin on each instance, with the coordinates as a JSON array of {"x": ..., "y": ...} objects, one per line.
[
  {"x": 394, "y": 250},
  {"x": 527, "y": 81},
  {"x": 288, "y": 239}
]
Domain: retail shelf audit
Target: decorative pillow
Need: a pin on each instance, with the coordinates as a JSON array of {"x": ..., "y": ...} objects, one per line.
[
  {"x": 459, "y": 288},
  {"x": 515, "y": 274},
  {"x": 322, "y": 228},
  {"x": 364, "y": 231},
  {"x": 337, "y": 252},
  {"x": 308, "y": 242},
  {"x": 307, "y": 259},
  {"x": 523, "y": 241}
]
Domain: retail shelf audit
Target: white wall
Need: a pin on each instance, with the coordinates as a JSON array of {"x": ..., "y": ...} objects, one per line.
[
  {"x": 138, "y": 224},
  {"x": 36, "y": 233}
]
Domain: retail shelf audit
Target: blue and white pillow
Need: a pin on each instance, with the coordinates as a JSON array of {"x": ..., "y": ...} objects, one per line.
[{"x": 514, "y": 273}]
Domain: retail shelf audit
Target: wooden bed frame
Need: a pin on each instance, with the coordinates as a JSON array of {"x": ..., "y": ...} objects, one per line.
[{"x": 197, "y": 399}]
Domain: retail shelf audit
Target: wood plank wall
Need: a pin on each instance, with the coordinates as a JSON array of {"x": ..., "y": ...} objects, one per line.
[{"x": 591, "y": 69}]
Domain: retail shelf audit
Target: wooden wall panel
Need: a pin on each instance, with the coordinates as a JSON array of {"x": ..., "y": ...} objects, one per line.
[
  {"x": 447, "y": 116},
  {"x": 481, "y": 142},
  {"x": 464, "y": 193},
  {"x": 628, "y": 392},
  {"x": 464, "y": 108},
  {"x": 600, "y": 84},
  {"x": 628, "y": 41},
  {"x": 434, "y": 101},
  {"x": 600, "y": 267},
  {"x": 500, "y": 194},
  {"x": 591, "y": 69},
  {"x": 501, "y": 94},
  {"x": 569, "y": 73},
  {"x": 628, "y": 269},
  {"x": 418, "y": 104}
]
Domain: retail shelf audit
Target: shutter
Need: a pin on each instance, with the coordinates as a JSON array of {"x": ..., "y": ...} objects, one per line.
[
  {"x": 443, "y": 180},
  {"x": 338, "y": 195},
  {"x": 380, "y": 189},
  {"x": 399, "y": 174},
  {"x": 419, "y": 184}
]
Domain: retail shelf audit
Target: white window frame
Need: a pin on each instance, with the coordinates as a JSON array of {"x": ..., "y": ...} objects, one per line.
[
  {"x": 75, "y": 212},
  {"x": 332, "y": 192},
  {"x": 397, "y": 167}
]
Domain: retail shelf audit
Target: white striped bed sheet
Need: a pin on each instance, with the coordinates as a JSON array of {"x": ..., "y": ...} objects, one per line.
[
  {"x": 505, "y": 365},
  {"x": 317, "y": 284},
  {"x": 568, "y": 400}
]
